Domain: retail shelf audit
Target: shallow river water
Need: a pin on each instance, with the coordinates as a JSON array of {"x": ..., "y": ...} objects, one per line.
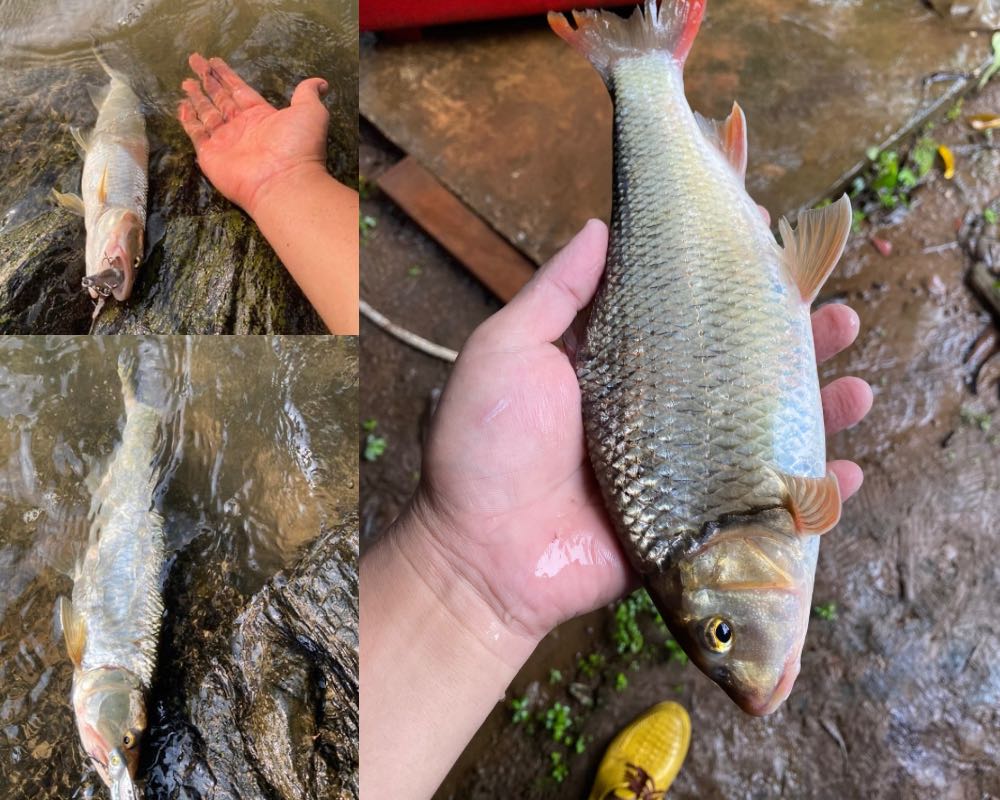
[{"x": 260, "y": 457}]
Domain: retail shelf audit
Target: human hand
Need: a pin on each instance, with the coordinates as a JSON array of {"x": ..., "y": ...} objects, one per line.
[
  {"x": 243, "y": 143},
  {"x": 507, "y": 500}
]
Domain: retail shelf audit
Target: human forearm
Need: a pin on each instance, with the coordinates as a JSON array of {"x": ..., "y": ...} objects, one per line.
[
  {"x": 435, "y": 659},
  {"x": 310, "y": 220}
]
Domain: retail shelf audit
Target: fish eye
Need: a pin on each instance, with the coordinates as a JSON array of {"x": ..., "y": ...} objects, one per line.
[
  {"x": 718, "y": 635},
  {"x": 129, "y": 739}
]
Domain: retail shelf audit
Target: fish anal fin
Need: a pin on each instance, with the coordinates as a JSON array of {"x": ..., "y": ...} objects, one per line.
[
  {"x": 74, "y": 631},
  {"x": 730, "y": 136},
  {"x": 69, "y": 201},
  {"x": 814, "y": 247},
  {"x": 814, "y": 502}
]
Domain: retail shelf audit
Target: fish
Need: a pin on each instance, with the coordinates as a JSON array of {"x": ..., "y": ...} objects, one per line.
[
  {"x": 111, "y": 625},
  {"x": 699, "y": 390},
  {"x": 114, "y": 186}
]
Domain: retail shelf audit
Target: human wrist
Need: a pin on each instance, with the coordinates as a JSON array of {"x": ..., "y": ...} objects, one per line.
[{"x": 286, "y": 182}]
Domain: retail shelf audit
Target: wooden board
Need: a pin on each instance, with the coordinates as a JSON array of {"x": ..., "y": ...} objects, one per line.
[{"x": 486, "y": 254}]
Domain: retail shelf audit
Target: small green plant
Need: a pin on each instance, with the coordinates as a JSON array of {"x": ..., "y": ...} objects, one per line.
[
  {"x": 590, "y": 664},
  {"x": 367, "y": 226},
  {"x": 558, "y": 720},
  {"x": 374, "y": 445},
  {"x": 675, "y": 651},
  {"x": 956, "y": 110},
  {"x": 555, "y": 677},
  {"x": 519, "y": 711},
  {"x": 889, "y": 178},
  {"x": 994, "y": 66},
  {"x": 990, "y": 216},
  {"x": 580, "y": 744},
  {"x": 560, "y": 770},
  {"x": 621, "y": 682},
  {"x": 826, "y": 611},
  {"x": 976, "y": 419},
  {"x": 415, "y": 271},
  {"x": 365, "y": 187}
]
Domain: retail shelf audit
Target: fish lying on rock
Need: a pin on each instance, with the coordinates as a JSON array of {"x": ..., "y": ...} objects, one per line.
[
  {"x": 701, "y": 400},
  {"x": 115, "y": 169},
  {"x": 112, "y": 625}
]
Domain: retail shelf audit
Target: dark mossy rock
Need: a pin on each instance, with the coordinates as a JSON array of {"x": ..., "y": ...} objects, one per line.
[{"x": 268, "y": 707}]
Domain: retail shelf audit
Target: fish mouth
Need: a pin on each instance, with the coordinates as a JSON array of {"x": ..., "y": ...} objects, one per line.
[
  {"x": 762, "y": 706},
  {"x": 104, "y": 283}
]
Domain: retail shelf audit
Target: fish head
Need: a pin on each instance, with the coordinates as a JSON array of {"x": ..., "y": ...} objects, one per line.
[
  {"x": 739, "y": 606},
  {"x": 117, "y": 252},
  {"x": 111, "y": 717}
]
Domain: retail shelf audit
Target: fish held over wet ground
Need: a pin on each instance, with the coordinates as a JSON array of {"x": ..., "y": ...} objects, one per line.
[
  {"x": 701, "y": 400},
  {"x": 112, "y": 624},
  {"x": 113, "y": 202}
]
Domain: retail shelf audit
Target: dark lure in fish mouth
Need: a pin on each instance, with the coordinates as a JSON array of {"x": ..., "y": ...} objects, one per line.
[{"x": 104, "y": 283}]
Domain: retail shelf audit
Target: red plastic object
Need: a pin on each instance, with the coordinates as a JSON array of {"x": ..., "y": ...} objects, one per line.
[{"x": 381, "y": 15}]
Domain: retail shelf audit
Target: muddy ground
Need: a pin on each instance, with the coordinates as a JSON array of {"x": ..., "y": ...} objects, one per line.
[{"x": 899, "y": 694}]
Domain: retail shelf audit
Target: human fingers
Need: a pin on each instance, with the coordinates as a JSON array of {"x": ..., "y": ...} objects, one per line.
[
  {"x": 547, "y": 304},
  {"x": 209, "y": 115},
  {"x": 191, "y": 124},
  {"x": 244, "y": 95},
  {"x": 219, "y": 93},
  {"x": 309, "y": 91},
  {"x": 835, "y": 327},
  {"x": 845, "y": 403},
  {"x": 849, "y": 476}
]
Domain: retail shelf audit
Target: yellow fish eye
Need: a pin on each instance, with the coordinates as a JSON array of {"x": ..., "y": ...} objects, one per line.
[
  {"x": 129, "y": 739},
  {"x": 718, "y": 635}
]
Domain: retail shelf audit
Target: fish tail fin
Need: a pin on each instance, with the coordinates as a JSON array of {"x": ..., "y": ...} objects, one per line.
[
  {"x": 144, "y": 377},
  {"x": 667, "y": 26}
]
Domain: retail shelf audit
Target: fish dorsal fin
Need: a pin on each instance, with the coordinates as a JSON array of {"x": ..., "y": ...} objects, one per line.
[
  {"x": 81, "y": 140},
  {"x": 814, "y": 247},
  {"x": 98, "y": 94},
  {"x": 102, "y": 187},
  {"x": 69, "y": 201},
  {"x": 74, "y": 631},
  {"x": 730, "y": 136},
  {"x": 814, "y": 502}
]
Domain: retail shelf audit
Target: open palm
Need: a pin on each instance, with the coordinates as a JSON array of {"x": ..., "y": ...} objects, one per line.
[
  {"x": 507, "y": 489},
  {"x": 241, "y": 140}
]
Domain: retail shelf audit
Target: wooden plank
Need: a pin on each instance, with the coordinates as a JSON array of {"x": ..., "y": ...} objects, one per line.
[{"x": 456, "y": 228}]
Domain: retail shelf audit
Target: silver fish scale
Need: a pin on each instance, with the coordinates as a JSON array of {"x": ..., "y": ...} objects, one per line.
[
  {"x": 117, "y": 587},
  {"x": 697, "y": 373}
]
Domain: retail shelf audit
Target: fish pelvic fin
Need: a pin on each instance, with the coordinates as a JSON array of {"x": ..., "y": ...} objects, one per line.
[
  {"x": 82, "y": 145},
  {"x": 730, "y": 136},
  {"x": 69, "y": 201},
  {"x": 102, "y": 187},
  {"x": 814, "y": 247},
  {"x": 814, "y": 502},
  {"x": 667, "y": 26},
  {"x": 74, "y": 631}
]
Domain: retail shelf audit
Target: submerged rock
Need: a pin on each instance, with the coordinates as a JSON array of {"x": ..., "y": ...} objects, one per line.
[{"x": 272, "y": 712}]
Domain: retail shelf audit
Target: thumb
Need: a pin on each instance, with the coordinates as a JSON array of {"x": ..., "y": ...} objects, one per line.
[{"x": 309, "y": 91}]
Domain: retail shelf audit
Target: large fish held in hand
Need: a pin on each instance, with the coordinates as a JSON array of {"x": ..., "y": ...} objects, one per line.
[
  {"x": 701, "y": 400},
  {"x": 112, "y": 625},
  {"x": 115, "y": 168}
]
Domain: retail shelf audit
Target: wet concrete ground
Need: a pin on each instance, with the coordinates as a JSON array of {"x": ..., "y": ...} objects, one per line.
[{"x": 899, "y": 694}]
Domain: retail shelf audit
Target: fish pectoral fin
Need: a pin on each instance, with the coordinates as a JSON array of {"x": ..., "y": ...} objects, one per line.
[
  {"x": 814, "y": 502},
  {"x": 730, "y": 136},
  {"x": 69, "y": 201},
  {"x": 82, "y": 145},
  {"x": 74, "y": 631},
  {"x": 814, "y": 247}
]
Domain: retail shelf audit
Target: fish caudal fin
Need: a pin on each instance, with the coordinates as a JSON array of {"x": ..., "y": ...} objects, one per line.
[
  {"x": 813, "y": 249},
  {"x": 74, "y": 631},
  {"x": 603, "y": 37},
  {"x": 143, "y": 373}
]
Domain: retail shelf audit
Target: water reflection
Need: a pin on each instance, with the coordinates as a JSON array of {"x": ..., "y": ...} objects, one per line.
[{"x": 260, "y": 454}]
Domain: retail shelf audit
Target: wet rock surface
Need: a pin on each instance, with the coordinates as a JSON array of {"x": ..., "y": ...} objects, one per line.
[
  {"x": 273, "y": 711},
  {"x": 899, "y": 694}
]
